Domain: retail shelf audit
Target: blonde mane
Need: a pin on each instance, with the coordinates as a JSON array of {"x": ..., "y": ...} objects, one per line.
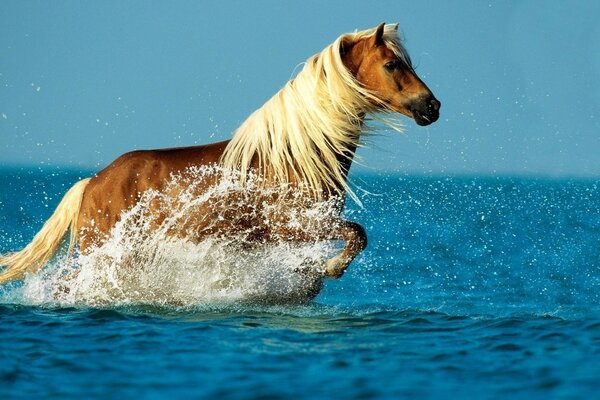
[{"x": 303, "y": 132}]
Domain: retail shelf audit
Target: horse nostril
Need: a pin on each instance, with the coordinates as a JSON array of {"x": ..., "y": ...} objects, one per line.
[{"x": 434, "y": 105}]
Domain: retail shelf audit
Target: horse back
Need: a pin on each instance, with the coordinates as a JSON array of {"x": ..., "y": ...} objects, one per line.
[{"x": 119, "y": 186}]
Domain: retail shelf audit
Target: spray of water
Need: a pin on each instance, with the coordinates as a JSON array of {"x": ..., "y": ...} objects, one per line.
[{"x": 142, "y": 262}]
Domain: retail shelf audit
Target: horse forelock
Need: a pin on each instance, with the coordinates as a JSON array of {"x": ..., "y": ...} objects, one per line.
[
  {"x": 305, "y": 131},
  {"x": 394, "y": 43}
]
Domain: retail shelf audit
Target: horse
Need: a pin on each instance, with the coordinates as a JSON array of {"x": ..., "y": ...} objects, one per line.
[{"x": 304, "y": 138}]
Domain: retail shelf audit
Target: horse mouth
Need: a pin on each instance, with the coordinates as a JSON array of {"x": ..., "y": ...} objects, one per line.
[
  {"x": 425, "y": 111},
  {"x": 423, "y": 119}
]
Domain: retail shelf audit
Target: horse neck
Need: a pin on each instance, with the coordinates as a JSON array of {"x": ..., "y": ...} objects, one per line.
[
  {"x": 346, "y": 160},
  {"x": 316, "y": 149}
]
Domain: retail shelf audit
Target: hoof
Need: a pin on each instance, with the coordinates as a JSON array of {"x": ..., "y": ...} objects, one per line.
[{"x": 335, "y": 267}]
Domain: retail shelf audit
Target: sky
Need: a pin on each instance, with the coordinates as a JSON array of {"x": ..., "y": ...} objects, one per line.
[{"x": 82, "y": 82}]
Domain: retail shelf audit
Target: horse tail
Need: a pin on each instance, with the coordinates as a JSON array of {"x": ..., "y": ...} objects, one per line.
[{"x": 37, "y": 253}]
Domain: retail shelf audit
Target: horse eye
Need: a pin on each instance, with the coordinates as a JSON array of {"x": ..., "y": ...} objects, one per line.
[{"x": 392, "y": 65}]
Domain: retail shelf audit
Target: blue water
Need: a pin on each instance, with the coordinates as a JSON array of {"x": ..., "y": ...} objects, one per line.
[{"x": 472, "y": 287}]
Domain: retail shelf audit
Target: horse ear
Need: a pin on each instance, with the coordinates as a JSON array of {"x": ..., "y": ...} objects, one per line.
[
  {"x": 377, "y": 38},
  {"x": 345, "y": 47}
]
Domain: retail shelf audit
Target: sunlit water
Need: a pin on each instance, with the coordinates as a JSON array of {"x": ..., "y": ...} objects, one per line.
[{"x": 476, "y": 287}]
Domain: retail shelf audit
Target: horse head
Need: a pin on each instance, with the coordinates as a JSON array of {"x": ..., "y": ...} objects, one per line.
[{"x": 382, "y": 66}]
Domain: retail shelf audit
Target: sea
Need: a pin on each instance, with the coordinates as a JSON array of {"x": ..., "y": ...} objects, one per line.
[{"x": 474, "y": 287}]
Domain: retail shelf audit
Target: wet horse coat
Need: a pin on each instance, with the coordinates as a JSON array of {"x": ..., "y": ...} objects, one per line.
[{"x": 303, "y": 139}]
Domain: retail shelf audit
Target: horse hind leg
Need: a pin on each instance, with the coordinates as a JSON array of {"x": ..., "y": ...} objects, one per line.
[{"x": 356, "y": 241}]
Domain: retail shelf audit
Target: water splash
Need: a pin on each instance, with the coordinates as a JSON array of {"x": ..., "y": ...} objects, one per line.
[{"x": 146, "y": 260}]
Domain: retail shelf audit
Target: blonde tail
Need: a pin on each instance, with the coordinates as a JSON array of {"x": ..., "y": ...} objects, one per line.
[{"x": 37, "y": 253}]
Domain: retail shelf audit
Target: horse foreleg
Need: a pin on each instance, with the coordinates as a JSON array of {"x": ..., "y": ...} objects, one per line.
[
  {"x": 352, "y": 233},
  {"x": 356, "y": 241}
]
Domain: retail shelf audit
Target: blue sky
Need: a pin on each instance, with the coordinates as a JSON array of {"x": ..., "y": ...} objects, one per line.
[{"x": 82, "y": 82}]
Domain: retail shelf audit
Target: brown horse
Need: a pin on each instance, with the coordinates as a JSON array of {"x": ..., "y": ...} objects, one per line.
[{"x": 303, "y": 139}]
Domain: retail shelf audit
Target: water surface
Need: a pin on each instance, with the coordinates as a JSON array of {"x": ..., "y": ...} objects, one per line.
[{"x": 471, "y": 286}]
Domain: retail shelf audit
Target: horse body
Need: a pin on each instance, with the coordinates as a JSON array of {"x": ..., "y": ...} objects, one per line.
[
  {"x": 302, "y": 140},
  {"x": 261, "y": 215}
]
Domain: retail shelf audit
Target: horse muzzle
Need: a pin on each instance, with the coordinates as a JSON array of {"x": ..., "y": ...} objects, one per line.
[{"x": 425, "y": 110}]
